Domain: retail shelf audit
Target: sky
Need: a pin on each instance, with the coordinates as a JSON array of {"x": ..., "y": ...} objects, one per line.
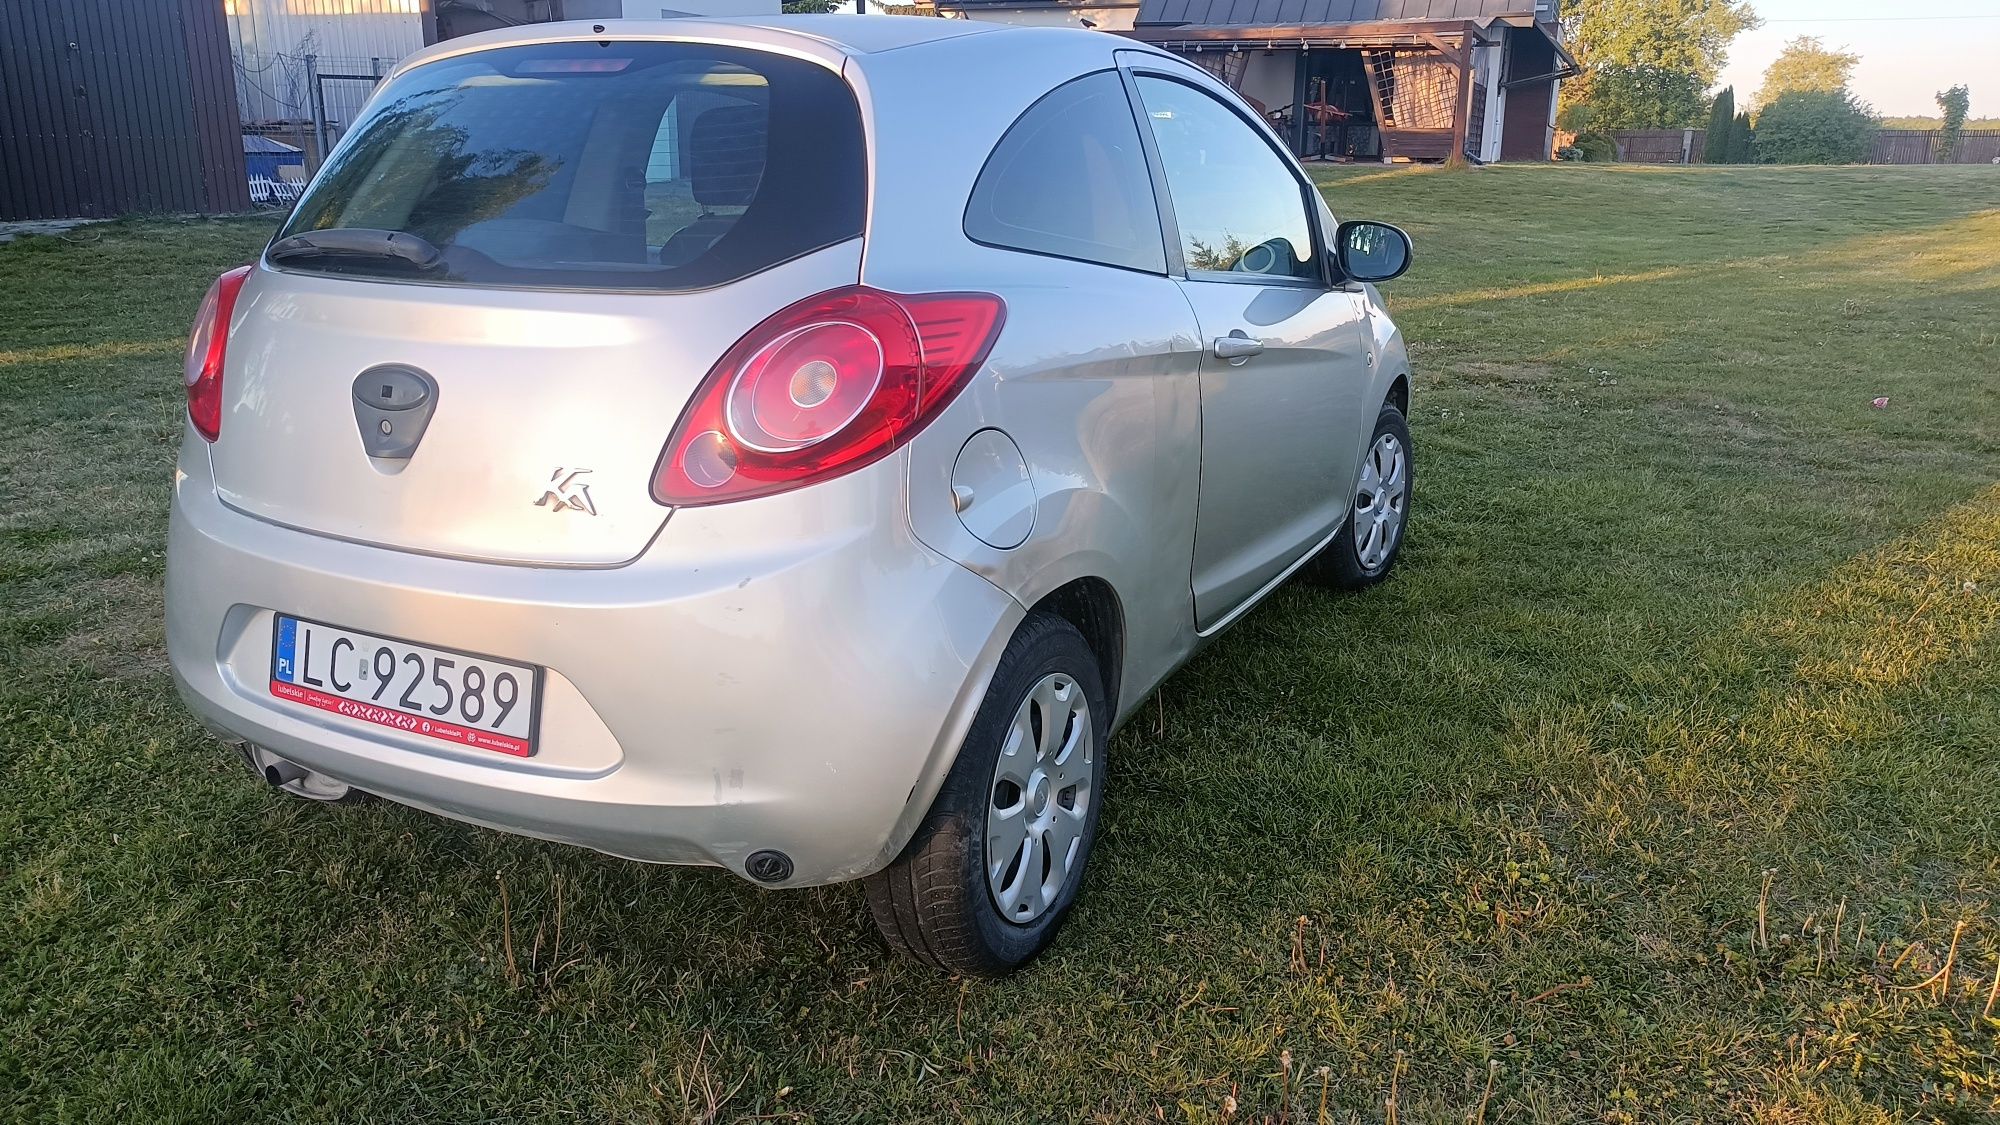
[{"x": 1910, "y": 49}]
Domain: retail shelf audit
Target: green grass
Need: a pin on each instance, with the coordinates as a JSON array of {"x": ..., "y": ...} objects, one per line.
[{"x": 1654, "y": 788}]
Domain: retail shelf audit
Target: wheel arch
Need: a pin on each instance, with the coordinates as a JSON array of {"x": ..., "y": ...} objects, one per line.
[
  {"x": 1399, "y": 394},
  {"x": 1091, "y": 604}
]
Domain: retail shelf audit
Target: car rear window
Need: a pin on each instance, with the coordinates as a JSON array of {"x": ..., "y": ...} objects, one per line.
[{"x": 607, "y": 165}]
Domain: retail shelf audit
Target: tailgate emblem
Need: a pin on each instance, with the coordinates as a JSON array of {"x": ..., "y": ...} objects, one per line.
[{"x": 565, "y": 491}]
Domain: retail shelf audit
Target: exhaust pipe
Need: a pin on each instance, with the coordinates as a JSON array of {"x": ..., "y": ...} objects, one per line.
[
  {"x": 281, "y": 773},
  {"x": 294, "y": 778}
]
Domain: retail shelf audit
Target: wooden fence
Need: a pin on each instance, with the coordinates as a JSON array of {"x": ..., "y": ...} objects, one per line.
[
  {"x": 1919, "y": 146},
  {"x": 1892, "y": 146},
  {"x": 1660, "y": 146}
]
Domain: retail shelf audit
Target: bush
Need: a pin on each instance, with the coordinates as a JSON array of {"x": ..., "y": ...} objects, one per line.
[
  {"x": 1721, "y": 115},
  {"x": 1595, "y": 148},
  {"x": 1742, "y": 144},
  {"x": 1815, "y": 127},
  {"x": 1645, "y": 97},
  {"x": 1955, "y": 103}
]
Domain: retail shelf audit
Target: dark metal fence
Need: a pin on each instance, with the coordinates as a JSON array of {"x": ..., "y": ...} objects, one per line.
[{"x": 114, "y": 106}]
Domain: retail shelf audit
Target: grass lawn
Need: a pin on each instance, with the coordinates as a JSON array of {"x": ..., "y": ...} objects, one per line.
[{"x": 1663, "y": 783}]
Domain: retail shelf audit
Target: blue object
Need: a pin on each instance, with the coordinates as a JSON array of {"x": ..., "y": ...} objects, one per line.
[{"x": 262, "y": 156}]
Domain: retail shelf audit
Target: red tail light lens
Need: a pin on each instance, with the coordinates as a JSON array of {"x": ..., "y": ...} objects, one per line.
[
  {"x": 206, "y": 343},
  {"x": 824, "y": 387}
]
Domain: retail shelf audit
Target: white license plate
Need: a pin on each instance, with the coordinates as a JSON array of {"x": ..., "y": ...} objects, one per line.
[{"x": 437, "y": 693}]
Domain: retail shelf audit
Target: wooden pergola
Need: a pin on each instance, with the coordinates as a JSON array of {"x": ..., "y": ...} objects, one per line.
[{"x": 1422, "y": 77}]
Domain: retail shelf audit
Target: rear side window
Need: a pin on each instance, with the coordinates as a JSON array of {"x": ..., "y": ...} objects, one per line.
[
  {"x": 1070, "y": 179},
  {"x": 619, "y": 165}
]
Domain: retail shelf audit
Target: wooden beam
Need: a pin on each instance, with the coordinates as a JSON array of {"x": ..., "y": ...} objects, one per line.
[
  {"x": 1299, "y": 105},
  {"x": 1449, "y": 50},
  {"x": 1461, "y": 121},
  {"x": 1375, "y": 99}
]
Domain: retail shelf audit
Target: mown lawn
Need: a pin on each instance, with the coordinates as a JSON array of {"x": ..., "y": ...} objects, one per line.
[{"x": 1663, "y": 784}]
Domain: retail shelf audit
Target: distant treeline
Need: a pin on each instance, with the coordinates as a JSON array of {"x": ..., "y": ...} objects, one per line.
[{"x": 1972, "y": 125}]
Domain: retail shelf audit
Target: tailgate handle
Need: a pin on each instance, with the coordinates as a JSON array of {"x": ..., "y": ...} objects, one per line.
[{"x": 392, "y": 406}]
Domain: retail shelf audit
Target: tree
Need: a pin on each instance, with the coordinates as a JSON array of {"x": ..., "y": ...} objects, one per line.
[
  {"x": 1955, "y": 104},
  {"x": 1815, "y": 127},
  {"x": 1647, "y": 63},
  {"x": 1805, "y": 65},
  {"x": 1742, "y": 140},
  {"x": 1645, "y": 97},
  {"x": 1721, "y": 119}
]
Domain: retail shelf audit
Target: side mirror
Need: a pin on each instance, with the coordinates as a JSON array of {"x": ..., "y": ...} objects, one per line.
[{"x": 1371, "y": 252}]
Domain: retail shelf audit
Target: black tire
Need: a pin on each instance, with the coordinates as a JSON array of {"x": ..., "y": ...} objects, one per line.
[
  {"x": 1340, "y": 564},
  {"x": 934, "y": 902}
]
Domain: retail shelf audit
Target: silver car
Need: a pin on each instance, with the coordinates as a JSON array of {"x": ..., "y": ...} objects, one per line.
[{"x": 791, "y": 446}]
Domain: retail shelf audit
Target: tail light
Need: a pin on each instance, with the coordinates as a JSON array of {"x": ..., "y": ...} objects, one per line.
[
  {"x": 210, "y": 338},
  {"x": 824, "y": 387}
]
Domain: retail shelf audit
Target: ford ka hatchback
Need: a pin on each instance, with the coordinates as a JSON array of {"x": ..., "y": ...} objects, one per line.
[{"x": 706, "y": 442}]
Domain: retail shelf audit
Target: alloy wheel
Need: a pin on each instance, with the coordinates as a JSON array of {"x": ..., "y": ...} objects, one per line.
[
  {"x": 1040, "y": 798},
  {"x": 1380, "y": 500}
]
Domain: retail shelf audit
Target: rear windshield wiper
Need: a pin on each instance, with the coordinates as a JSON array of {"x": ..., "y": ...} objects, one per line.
[{"x": 358, "y": 242}]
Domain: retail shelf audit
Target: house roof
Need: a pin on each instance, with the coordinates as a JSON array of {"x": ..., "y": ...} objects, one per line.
[{"x": 1265, "y": 13}]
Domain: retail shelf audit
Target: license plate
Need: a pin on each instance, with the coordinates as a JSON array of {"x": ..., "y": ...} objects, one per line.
[{"x": 437, "y": 693}]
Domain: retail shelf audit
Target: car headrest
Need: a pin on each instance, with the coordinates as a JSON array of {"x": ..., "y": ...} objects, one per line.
[{"x": 725, "y": 151}]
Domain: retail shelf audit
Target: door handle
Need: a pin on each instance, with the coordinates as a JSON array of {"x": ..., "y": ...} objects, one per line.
[{"x": 1236, "y": 347}]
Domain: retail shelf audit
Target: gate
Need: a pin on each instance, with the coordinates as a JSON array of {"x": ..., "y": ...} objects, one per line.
[{"x": 337, "y": 99}]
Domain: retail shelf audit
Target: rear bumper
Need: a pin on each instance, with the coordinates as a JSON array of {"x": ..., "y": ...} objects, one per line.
[{"x": 793, "y": 673}]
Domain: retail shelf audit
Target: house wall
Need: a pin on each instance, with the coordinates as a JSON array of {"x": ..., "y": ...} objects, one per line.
[
  {"x": 1489, "y": 61},
  {"x": 270, "y": 41},
  {"x": 343, "y": 33},
  {"x": 1272, "y": 78},
  {"x": 115, "y": 106}
]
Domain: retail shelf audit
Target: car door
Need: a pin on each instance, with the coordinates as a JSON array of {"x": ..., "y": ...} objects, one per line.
[{"x": 1285, "y": 365}]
